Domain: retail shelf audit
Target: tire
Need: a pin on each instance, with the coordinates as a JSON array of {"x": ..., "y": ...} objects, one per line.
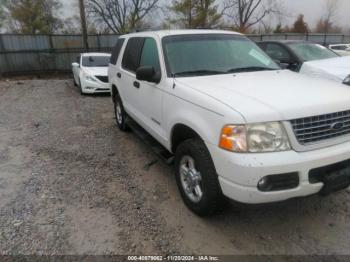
[
  {"x": 75, "y": 83},
  {"x": 120, "y": 114},
  {"x": 212, "y": 199}
]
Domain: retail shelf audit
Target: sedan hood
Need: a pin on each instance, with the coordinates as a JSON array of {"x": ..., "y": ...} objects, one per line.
[
  {"x": 272, "y": 95},
  {"x": 334, "y": 68},
  {"x": 96, "y": 71}
]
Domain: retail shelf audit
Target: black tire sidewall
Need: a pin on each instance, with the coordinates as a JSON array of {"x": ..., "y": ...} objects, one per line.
[
  {"x": 122, "y": 126},
  {"x": 212, "y": 195}
]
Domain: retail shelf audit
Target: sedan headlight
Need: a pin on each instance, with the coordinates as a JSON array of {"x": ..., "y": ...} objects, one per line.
[
  {"x": 347, "y": 80},
  {"x": 255, "y": 138},
  {"x": 90, "y": 78}
]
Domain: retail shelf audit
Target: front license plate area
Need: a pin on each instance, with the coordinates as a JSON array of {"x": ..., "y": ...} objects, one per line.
[{"x": 335, "y": 181}]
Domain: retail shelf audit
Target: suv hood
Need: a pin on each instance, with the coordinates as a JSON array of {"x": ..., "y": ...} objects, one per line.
[
  {"x": 272, "y": 95},
  {"x": 334, "y": 68},
  {"x": 96, "y": 71}
]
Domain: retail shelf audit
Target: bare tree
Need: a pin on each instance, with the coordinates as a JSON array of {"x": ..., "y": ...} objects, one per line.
[
  {"x": 331, "y": 12},
  {"x": 121, "y": 16},
  {"x": 247, "y": 13}
]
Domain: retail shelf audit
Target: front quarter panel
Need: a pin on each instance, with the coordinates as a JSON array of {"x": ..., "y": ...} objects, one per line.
[{"x": 205, "y": 115}]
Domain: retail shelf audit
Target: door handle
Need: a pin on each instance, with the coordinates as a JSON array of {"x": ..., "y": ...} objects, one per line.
[
  {"x": 136, "y": 84},
  {"x": 119, "y": 75}
]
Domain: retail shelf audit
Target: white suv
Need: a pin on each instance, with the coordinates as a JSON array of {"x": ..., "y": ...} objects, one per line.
[{"x": 238, "y": 126}]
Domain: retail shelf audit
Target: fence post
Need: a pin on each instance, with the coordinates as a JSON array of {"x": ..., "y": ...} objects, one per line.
[
  {"x": 343, "y": 39},
  {"x": 325, "y": 40},
  {"x": 98, "y": 43},
  {"x": 2, "y": 53}
]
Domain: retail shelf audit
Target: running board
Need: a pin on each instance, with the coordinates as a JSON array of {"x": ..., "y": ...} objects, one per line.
[{"x": 156, "y": 147}]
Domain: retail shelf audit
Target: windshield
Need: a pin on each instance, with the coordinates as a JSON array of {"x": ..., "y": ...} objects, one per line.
[
  {"x": 310, "y": 51},
  {"x": 95, "y": 61},
  {"x": 208, "y": 54}
]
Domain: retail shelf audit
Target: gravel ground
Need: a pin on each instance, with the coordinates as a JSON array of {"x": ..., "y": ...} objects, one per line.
[{"x": 71, "y": 183}]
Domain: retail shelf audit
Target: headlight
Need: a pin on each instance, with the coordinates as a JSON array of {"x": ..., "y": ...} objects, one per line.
[
  {"x": 90, "y": 78},
  {"x": 347, "y": 80},
  {"x": 254, "y": 138}
]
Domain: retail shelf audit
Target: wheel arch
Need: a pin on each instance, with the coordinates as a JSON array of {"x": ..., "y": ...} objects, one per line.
[{"x": 181, "y": 132}]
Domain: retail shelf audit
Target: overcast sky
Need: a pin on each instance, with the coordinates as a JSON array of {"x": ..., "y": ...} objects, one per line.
[{"x": 312, "y": 9}]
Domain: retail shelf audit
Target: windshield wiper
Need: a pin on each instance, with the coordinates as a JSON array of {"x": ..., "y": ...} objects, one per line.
[
  {"x": 199, "y": 72},
  {"x": 249, "y": 69}
]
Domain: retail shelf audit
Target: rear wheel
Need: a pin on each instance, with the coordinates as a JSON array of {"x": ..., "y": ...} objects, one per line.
[
  {"x": 120, "y": 114},
  {"x": 197, "y": 179}
]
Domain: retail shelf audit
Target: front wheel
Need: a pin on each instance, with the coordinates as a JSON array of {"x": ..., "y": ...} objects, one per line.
[
  {"x": 197, "y": 179},
  {"x": 120, "y": 114}
]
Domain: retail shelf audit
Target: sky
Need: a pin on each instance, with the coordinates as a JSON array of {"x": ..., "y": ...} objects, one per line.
[{"x": 312, "y": 9}]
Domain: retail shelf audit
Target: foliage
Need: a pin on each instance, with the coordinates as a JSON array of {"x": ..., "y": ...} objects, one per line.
[
  {"x": 196, "y": 13},
  {"x": 2, "y": 12},
  {"x": 300, "y": 26},
  {"x": 34, "y": 16},
  {"x": 278, "y": 29}
]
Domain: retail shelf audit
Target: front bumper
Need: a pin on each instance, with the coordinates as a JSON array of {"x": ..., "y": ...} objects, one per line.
[
  {"x": 239, "y": 174},
  {"x": 91, "y": 87}
]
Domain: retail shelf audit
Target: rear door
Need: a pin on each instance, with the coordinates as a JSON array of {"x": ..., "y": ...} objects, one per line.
[
  {"x": 113, "y": 72},
  {"x": 127, "y": 78}
]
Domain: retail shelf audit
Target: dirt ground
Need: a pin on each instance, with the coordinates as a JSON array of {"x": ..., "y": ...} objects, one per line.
[{"x": 71, "y": 183}]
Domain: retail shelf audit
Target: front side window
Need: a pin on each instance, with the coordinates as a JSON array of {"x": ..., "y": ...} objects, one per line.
[
  {"x": 310, "y": 51},
  {"x": 277, "y": 52},
  {"x": 95, "y": 61},
  {"x": 208, "y": 54},
  {"x": 131, "y": 58},
  {"x": 149, "y": 55}
]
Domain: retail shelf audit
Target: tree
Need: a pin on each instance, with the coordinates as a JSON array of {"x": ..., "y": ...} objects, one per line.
[
  {"x": 246, "y": 13},
  {"x": 121, "y": 16},
  {"x": 326, "y": 23},
  {"x": 34, "y": 16},
  {"x": 2, "y": 12},
  {"x": 196, "y": 13},
  {"x": 278, "y": 29},
  {"x": 300, "y": 26}
]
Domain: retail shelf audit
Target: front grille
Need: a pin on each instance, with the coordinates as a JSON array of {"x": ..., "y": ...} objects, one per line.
[
  {"x": 102, "y": 78},
  {"x": 319, "y": 128}
]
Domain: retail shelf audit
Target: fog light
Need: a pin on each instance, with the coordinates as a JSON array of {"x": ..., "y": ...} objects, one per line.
[
  {"x": 278, "y": 182},
  {"x": 263, "y": 184}
]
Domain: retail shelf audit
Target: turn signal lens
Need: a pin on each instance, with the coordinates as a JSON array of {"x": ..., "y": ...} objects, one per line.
[{"x": 233, "y": 138}]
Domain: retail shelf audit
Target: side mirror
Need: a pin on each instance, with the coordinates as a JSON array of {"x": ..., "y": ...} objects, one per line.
[
  {"x": 147, "y": 73},
  {"x": 75, "y": 64}
]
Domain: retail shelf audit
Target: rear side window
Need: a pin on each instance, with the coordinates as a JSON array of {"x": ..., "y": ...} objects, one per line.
[
  {"x": 132, "y": 54},
  {"x": 149, "y": 56},
  {"x": 116, "y": 51}
]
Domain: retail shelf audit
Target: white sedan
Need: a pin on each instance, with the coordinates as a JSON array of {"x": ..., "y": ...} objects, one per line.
[
  {"x": 341, "y": 49},
  {"x": 90, "y": 73}
]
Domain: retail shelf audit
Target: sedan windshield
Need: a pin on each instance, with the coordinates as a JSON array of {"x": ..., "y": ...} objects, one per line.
[
  {"x": 310, "y": 51},
  {"x": 210, "y": 54},
  {"x": 95, "y": 61}
]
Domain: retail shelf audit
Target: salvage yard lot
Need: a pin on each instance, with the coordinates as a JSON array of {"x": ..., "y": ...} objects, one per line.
[{"x": 72, "y": 183}]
